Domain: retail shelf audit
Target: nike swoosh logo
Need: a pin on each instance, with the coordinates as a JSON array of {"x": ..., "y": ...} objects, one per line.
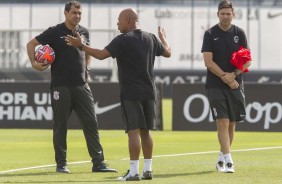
[
  {"x": 101, "y": 110},
  {"x": 263, "y": 79},
  {"x": 215, "y": 38},
  {"x": 273, "y": 15}
]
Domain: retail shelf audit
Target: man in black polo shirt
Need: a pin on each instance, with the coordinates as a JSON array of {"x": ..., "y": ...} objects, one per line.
[
  {"x": 69, "y": 90},
  {"x": 135, "y": 51},
  {"x": 224, "y": 82}
]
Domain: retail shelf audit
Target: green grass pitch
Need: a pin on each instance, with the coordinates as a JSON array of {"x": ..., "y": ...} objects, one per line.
[{"x": 179, "y": 157}]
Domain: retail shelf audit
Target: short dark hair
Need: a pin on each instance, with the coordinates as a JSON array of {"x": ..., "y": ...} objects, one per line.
[
  {"x": 68, "y": 5},
  {"x": 225, "y": 4}
]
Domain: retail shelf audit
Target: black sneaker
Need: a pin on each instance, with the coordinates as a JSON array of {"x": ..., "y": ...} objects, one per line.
[
  {"x": 102, "y": 167},
  {"x": 147, "y": 175},
  {"x": 62, "y": 169},
  {"x": 128, "y": 177}
]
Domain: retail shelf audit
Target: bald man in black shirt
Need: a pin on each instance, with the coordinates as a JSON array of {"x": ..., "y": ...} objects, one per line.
[{"x": 135, "y": 51}]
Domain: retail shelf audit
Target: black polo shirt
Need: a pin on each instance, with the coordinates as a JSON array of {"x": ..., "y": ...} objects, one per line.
[
  {"x": 222, "y": 44},
  {"x": 135, "y": 53},
  {"x": 68, "y": 69}
]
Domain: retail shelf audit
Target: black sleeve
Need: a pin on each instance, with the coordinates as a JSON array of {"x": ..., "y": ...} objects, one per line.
[
  {"x": 158, "y": 45},
  {"x": 207, "y": 43},
  {"x": 244, "y": 41},
  {"x": 86, "y": 36},
  {"x": 115, "y": 47},
  {"x": 46, "y": 36}
]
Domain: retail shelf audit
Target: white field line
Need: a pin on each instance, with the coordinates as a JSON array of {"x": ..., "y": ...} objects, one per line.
[
  {"x": 42, "y": 166},
  {"x": 157, "y": 156},
  {"x": 208, "y": 152}
]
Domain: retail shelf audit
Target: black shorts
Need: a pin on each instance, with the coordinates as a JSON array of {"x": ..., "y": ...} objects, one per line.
[
  {"x": 227, "y": 103},
  {"x": 139, "y": 114}
]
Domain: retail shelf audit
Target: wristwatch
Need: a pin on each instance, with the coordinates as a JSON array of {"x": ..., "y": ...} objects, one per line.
[{"x": 235, "y": 73}]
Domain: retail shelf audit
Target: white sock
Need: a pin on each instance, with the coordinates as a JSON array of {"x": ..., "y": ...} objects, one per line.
[
  {"x": 134, "y": 167},
  {"x": 228, "y": 158},
  {"x": 147, "y": 165},
  {"x": 220, "y": 157}
]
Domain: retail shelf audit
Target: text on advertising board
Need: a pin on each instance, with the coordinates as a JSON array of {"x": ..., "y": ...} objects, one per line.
[{"x": 262, "y": 112}]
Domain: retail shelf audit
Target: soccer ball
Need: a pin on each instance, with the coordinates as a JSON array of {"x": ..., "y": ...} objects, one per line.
[{"x": 45, "y": 54}]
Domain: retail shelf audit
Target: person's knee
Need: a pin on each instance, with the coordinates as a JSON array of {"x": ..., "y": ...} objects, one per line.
[
  {"x": 133, "y": 133},
  {"x": 145, "y": 134}
]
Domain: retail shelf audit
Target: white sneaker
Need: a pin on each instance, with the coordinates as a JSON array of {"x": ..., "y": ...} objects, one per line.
[
  {"x": 128, "y": 177},
  {"x": 220, "y": 167},
  {"x": 229, "y": 168}
]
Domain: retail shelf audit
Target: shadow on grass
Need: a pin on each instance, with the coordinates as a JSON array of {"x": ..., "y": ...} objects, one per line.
[
  {"x": 166, "y": 175},
  {"x": 73, "y": 181},
  {"x": 27, "y": 174},
  {"x": 45, "y": 174},
  {"x": 111, "y": 179},
  {"x": 107, "y": 179}
]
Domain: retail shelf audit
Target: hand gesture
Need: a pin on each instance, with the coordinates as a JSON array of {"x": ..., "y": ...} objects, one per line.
[
  {"x": 74, "y": 41},
  {"x": 161, "y": 33},
  {"x": 162, "y": 36}
]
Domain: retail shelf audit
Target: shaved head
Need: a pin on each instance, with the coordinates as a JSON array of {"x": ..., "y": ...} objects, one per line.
[
  {"x": 131, "y": 14},
  {"x": 128, "y": 20}
]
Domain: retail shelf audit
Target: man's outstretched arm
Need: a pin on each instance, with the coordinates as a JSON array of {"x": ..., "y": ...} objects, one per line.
[{"x": 96, "y": 53}]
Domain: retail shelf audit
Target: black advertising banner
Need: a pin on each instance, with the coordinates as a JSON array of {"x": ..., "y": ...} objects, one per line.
[
  {"x": 25, "y": 105},
  {"x": 107, "y": 106},
  {"x": 191, "y": 109},
  {"x": 28, "y": 105},
  {"x": 165, "y": 77}
]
